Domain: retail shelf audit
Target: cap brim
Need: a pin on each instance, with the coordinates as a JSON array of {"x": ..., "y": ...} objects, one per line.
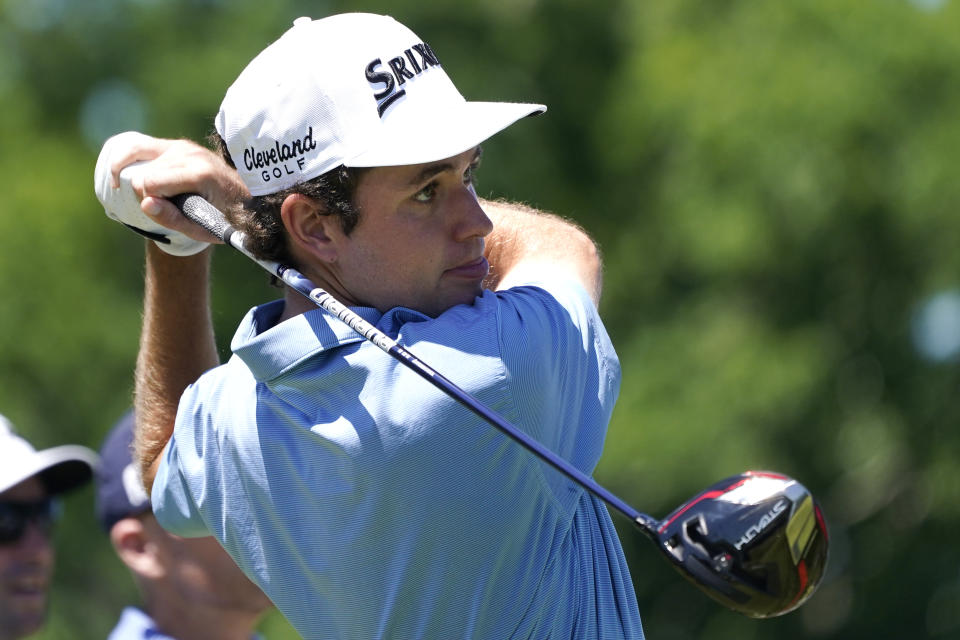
[
  {"x": 443, "y": 133},
  {"x": 60, "y": 468}
]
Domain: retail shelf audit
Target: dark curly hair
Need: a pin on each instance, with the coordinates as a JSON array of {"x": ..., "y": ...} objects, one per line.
[{"x": 259, "y": 218}]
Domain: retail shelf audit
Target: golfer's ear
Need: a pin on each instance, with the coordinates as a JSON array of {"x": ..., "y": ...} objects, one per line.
[
  {"x": 311, "y": 231},
  {"x": 135, "y": 549}
]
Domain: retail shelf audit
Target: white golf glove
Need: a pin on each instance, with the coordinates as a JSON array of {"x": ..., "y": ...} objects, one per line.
[{"x": 123, "y": 205}]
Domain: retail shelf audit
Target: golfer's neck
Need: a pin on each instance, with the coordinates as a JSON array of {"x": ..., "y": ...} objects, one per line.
[{"x": 294, "y": 304}]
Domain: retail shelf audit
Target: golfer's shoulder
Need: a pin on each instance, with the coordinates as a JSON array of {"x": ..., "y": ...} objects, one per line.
[
  {"x": 520, "y": 307},
  {"x": 224, "y": 380},
  {"x": 549, "y": 299}
]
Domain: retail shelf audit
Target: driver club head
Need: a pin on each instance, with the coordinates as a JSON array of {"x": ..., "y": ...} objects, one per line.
[{"x": 755, "y": 542}]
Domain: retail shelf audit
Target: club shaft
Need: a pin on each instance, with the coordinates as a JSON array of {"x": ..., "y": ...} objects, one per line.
[{"x": 205, "y": 214}]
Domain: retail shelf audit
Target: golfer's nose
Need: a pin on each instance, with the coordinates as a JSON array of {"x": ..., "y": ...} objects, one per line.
[{"x": 472, "y": 220}]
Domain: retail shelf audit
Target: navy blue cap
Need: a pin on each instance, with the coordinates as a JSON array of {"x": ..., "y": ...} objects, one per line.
[{"x": 120, "y": 492}]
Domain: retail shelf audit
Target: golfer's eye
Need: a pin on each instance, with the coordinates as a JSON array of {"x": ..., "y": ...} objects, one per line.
[
  {"x": 470, "y": 175},
  {"x": 427, "y": 193}
]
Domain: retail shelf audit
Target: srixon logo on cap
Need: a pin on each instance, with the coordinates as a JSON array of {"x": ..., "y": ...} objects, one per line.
[{"x": 396, "y": 72}]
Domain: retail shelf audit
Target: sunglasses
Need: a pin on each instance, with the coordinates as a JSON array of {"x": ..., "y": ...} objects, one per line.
[{"x": 15, "y": 516}]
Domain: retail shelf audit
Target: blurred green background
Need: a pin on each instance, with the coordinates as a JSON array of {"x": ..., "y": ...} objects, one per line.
[{"x": 772, "y": 185}]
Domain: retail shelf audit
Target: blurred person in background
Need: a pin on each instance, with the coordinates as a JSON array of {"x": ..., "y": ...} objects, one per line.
[
  {"x": 30, "y": 483},
  {"x": 190, "y": 587}
]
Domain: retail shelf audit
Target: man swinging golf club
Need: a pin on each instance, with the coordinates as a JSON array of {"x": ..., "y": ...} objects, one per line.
[{"x": 363, "y": 501}]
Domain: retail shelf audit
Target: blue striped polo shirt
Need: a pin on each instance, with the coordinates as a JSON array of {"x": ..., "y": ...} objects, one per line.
[{"x": 367, "y": 504}]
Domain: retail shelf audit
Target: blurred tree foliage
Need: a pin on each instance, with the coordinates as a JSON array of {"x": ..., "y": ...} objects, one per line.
[{"x": 770, "y": 184}]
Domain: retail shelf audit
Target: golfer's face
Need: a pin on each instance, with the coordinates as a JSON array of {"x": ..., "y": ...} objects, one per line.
[
  {"x": 420, "y": 239},
  {"x": 26, "y": 565}
]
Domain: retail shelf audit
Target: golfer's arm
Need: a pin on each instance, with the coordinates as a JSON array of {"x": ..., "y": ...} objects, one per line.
[
  {"x": 176, "y": 346},
  {"x": 527, "y": 244}
]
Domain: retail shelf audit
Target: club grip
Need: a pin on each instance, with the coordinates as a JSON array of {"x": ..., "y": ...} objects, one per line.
[{"x": 204, "y": 214}]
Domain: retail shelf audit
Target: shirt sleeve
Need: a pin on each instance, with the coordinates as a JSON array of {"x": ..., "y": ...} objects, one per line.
[
  {"x": 562, "y": 367},
  {"x": 204, "y": 475},
  {"x": 171, "y": 498},
  {"x": 199, "y": 472}
]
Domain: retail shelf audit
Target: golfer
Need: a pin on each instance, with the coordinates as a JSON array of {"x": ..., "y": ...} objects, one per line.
[{"x": 362, "y": 500}]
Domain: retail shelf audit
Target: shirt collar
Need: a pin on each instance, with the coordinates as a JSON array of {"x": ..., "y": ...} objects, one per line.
[{"x": 269, "y": 348}]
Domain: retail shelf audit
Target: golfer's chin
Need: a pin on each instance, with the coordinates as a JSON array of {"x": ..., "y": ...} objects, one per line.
[{"x": 463, "y": 293}]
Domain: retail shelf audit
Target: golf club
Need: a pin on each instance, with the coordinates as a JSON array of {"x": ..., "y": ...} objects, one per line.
[{"x": 756, "y": 542}]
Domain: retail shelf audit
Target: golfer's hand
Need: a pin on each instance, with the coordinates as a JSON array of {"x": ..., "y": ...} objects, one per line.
[{"x": 134, "y": 167}]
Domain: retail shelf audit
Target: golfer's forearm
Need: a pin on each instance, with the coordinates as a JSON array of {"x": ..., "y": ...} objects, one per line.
[
  {"x": 526, "y": 243},
  {"x": 176, "y": 346}
]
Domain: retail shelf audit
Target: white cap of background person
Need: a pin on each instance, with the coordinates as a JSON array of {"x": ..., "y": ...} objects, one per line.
[
  {"x": 59, "y": 468},
  {"x": 354, "y": 89}
]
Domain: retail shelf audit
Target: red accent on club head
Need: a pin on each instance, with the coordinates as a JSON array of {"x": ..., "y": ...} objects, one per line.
[
  {"x": 821, "y": 522},
  {"x": 708, "y": 495},
  {"x": 802, "y": 574},
  {"x": 719, "y": 492}
]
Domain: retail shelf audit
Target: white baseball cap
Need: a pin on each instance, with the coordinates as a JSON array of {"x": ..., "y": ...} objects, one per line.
[
  {"x": 354, "y": 89},
  {"x": 59, "y": 468}
]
